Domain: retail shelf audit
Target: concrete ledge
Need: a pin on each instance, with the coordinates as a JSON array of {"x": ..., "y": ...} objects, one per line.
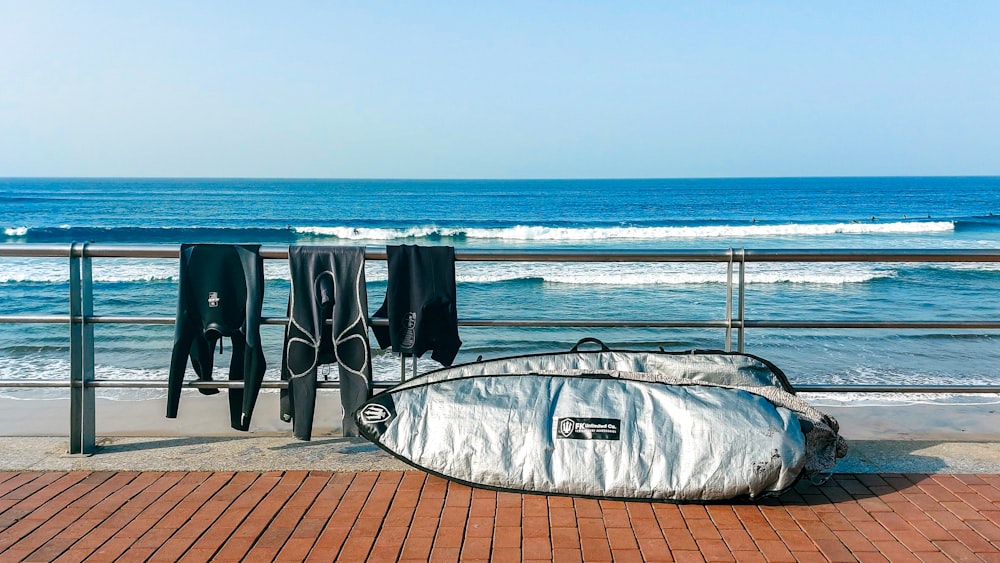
[
  {"x": 135, "y": 436},
  {"x": 272, "y": 453}
]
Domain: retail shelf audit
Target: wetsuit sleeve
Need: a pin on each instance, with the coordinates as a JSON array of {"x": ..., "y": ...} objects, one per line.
[{"x": 183, "y": 339}]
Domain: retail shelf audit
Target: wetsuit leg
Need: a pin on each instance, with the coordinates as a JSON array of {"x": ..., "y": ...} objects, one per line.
[{"x": 326, "y": 283}]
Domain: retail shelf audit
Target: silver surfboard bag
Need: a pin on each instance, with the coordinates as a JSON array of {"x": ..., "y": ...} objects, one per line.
[{"x": 683, "y": 427}]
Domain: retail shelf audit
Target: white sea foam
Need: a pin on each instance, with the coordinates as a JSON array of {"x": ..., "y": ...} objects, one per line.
[
  {"x": 108, "y": 270},
  {"x": 119, "y": 270},
  {"x": 543, "y": 233},
  {"x": 622, "y": 274},
  {"x": 15, "y": 231}
]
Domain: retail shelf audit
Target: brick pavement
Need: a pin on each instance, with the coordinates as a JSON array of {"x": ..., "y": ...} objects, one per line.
[{"x": 410, "y": 516}]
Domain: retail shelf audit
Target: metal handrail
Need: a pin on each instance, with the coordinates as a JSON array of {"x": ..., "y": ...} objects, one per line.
[{"x": 81, "y": 318}]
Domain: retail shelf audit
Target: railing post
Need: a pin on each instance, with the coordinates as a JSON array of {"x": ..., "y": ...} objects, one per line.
[
  {"x": 82, "y": 434},
  {"x": 742, "y": 294},
  {"x": 729, "y": 302}
]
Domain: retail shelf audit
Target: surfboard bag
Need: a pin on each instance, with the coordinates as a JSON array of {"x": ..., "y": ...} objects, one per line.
[{"x": 683, "y": 427}]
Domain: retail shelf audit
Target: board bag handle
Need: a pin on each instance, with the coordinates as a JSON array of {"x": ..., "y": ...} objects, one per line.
[{"x": 590, "y": 340}]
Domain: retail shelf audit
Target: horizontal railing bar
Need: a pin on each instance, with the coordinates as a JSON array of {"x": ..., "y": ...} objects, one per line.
[
  {"x": 271, "y": 384},
  {"x": 585, "y": 323},
  {"x": 589, "y": 323},
  {"x": 101, "y": 250},
  {"x": 35, "y": 250},
  {"x": 854, "y": 388},
  {"x": 34, "y": 319},
  {"x": 152, "y": 384},
  {"x": 31, "y": 383},
  {"x": 869, "y": 255},
  {"x": 965, "y": 325}
]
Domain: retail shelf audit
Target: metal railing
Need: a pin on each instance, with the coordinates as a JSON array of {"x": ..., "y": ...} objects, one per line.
[{"x": 81, "y": 319}]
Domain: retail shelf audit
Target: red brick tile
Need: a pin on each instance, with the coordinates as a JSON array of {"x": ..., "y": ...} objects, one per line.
[
  {"x": 592, "y": 528},
  {"x": 775, "y": 550},
  {"x": 616, "y": 518},
  {"x": 946, "y": 519},
  {"x": 534, "y": 505},
  {"x": 956, "y": 551},
  {"x": 510, "y": 500},
  {"x": 715, "y": 550},
  {"x": 752, "y": 515},
  {"x": 476, "y": 548},
  {"x": 505, "y": 554},
  {"x": 587, "y": 508},
  {"x": 445, "y": 554},
  {"x": 560, "y": 516},
  {"x": 987, "y": 529},
  {"x": 560, "y": 501},
  {"x": 693, "y": 512},
  {"x": 416, "y": 548},
  {"x": 508, "y": 516},
  {"x": 646, "y": 528},
  {"x": 835, "y": 550},
  {"x": 669, "y": 516},
  {"x": 962, "y": 511},
  {"x": 536, "y": 548},
  {"x": 738, "y": 539},
  {"x": 704, "y": 530},
  {"x": 506, "y": 536},
  {"x": 723, "y": 517},
  {"x": 975, "y": 542},
  {"x": 679, "y": 539},
  {"x": 640, "y": 510},
  {"x": 449, "y": 536},
  {"x": 454, "y": 516},
  {"x": 565, "y": 538},
  {"x": 566, "y": 556},
  {"x": 686, "y": 556},
  {"x": 895, "y": 551},
  {"x": 654, "y": 549},
  {"x": 479, "y": 528},
  {"x": 874, "y": 504},
  {"x": 986, "y": 491},
  {"x": 626, "y": 555},
  {"x": 752, "y": 556},
  {"x": 536, "y": 527},
  {"x": 622, "y": 539},
  {"x": 595, "y": 549}
]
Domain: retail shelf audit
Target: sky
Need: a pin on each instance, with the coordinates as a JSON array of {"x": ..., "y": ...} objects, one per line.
[{"x": 512, "y": 89}]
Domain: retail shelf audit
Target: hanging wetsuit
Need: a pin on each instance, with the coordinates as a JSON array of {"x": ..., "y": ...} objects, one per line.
[
  {"x": 327, "y": 283},
  {"x": 221, "y": 295},
  {"x": 420, "y": 303}
]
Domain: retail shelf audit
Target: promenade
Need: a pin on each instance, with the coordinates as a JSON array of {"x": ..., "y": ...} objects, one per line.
[{"x": 888, "y": 501}]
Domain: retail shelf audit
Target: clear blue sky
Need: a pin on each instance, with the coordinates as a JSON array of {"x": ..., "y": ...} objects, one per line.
[{"x": 539, "y": 89}]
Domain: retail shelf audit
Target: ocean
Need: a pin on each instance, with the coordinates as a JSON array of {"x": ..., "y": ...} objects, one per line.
[{"x": 716, "y": 214}]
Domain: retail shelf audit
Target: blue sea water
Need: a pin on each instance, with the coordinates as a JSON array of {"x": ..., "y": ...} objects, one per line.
[{"x": 800, "y": 213}]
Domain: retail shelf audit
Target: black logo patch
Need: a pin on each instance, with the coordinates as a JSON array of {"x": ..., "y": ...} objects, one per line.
[
  {"x": 374, "y": 417},
  {"x": 374, "y": 413},
  {"x": 588, "y": 428}
]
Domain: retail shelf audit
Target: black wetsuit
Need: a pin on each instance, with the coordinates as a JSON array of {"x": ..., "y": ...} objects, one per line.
[
  {"x": 327, "y": 283},
  {"x": 420, "y": 303},
  {"x": 221, "y": 295}
]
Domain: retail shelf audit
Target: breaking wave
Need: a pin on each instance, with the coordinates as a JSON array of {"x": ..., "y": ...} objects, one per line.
[{"x": 548, "y": 233}]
